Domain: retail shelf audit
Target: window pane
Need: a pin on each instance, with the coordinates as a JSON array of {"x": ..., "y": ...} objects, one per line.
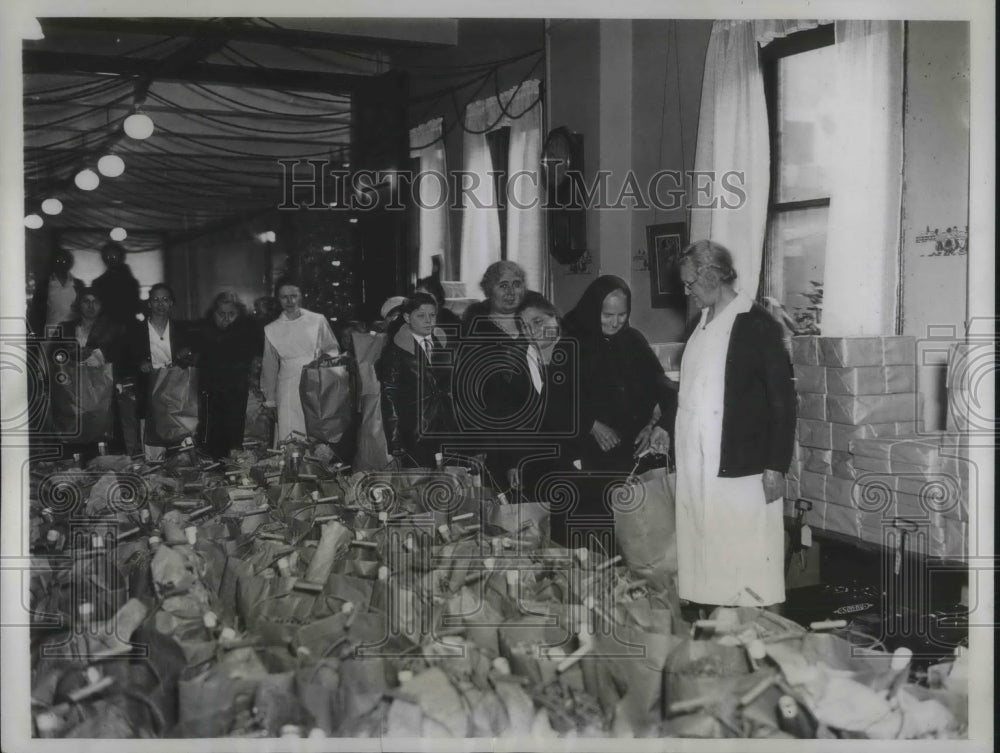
[
  {"x": 798, "y": 250},
  {"x": 806, "y": 118}
]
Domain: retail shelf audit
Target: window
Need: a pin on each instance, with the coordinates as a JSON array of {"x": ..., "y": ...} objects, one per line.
[{"x": 799, "y": 79}]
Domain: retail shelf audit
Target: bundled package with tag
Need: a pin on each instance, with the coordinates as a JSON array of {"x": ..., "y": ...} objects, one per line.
[
  {"x": 826, "y": 435},
  {"x": 828, "y": 462},
  {"x": 814, "y": 350},
  {"x": 931, "y": 455},
  {"x": 873, "y": 507}
]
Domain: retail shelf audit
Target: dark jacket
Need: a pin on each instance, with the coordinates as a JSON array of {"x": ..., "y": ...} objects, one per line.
[
  {"x": 487, "y": 360},
  {"x": 136, "y": 352},
  {"x": 549, "y": 422},
  {"x": 416, "y": 395},
  {"x": 104, "y": 335},
  {"x": 225, "y": 355},
  {"x": 118, "y": 291},
  {"x": 758, "y": 418},
  {"x": 621, "y": 378}
]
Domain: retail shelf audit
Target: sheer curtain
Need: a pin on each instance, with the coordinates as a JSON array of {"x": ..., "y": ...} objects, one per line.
[
  {"x": 427, "y": 145},
  {"x": 733, "y": 136},
  {"x": 862, "y": 247},
  {"x": 520, "y": 109},
  {"x": 480, "y": 221}
]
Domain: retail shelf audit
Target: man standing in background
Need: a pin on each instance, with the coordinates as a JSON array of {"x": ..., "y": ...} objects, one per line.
[
  {"x": 117, "y": 287},
  {"x": 118, "y": 290}
]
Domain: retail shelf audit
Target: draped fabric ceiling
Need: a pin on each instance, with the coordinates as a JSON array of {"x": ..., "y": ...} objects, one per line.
[{"x": 228, "y": 97}]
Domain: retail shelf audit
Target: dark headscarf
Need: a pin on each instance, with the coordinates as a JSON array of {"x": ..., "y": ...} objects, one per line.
[
  {"x": 584, "y": 321},
  {"x": 621, "y": 377}
]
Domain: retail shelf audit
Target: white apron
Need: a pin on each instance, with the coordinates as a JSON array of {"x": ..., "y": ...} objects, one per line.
[
  {"x": 730, "y": 543},
  {"x": 295, "y": 343}
]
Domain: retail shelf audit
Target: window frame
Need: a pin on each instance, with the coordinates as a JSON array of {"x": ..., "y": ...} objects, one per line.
[{"x": 769, "y": 57}]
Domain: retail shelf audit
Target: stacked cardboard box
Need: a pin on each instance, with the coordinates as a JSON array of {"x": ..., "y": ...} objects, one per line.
[
  {"x": 849, "y": 389},
  {"x": 920, "y": 480},
  {"x": 968, "y": 408}
]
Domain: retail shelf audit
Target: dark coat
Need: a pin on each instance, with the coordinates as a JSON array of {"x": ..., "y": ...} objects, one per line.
[
  {"x": 416, "y": 395},
  {"x": 136, "y": 352},
  {"x": 549, "y": 422},
  {"x": 621, "y": 381},
  {"x": 758, "y": 418},
  {"x": 119, "y": 293},
  {"x": 225, "y": 355},
  {"x": 487, "y": 361},
  {"x": 104, "y": 336}
]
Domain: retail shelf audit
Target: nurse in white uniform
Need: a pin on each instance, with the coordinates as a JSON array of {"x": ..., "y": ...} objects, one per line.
[
  {"x": 734, "y": 436},
  {"x": 291, "y": 341}
]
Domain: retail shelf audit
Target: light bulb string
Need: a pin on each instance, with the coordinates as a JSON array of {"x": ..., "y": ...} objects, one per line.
[
  {"x": 250, "y": 129},
  {"x": 250, "y": 109}
]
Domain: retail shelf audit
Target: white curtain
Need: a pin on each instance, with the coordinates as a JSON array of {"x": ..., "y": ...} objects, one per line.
[
  {"x": 524, "y": 208},
  {"x": 519, "y": 108},
  {"x": 427, "y": 145},
  {"x": 733, "y": 136},
  {"x": 480, "y": 221},
  {"x": 862, "y": 248}
]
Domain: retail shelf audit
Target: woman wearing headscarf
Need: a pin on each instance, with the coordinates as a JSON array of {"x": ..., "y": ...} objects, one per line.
[
  {"x": 734, "y": 439},
  {"x": 296, "y": 338},
  {"x": 621, "y": 378},
  {"x": 230, "y": 341}
]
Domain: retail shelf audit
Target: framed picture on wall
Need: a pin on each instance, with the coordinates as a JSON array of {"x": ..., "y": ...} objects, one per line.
[{"x": 665, "y": 243}]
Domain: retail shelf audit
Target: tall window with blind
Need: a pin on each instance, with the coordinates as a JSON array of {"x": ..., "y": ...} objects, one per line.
[{"x": 799, "y": 83}]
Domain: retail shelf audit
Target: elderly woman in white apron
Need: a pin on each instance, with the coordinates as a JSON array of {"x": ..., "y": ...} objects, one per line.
[
  {"x": 734, "y": 434},
  {"x": 296, "y": 338}
]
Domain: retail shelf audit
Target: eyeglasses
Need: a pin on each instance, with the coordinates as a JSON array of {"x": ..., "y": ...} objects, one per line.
[{"x": 697, "y": 275}]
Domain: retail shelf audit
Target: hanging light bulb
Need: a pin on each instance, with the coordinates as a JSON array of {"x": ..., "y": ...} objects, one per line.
[
  {"x": 118, "y": 234},
  {"x": 33, "y": 221},
  {"x": 87, "y": 180},
  {"x": 111, "y": 165},
  {"x": 138, "y": 126},
  {"x": 52, "y": 206}
]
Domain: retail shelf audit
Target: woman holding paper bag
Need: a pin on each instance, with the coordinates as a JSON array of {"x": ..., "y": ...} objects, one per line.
[
  {"x": 158, "y": 343},
  {"x": 296, "y": 338},
  {"x": 96, "y": 335},
  {"x": 98, "y": 342},
  {"x": 734, "y": 435}
]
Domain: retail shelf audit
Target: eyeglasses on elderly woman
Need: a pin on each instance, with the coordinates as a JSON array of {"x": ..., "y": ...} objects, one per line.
[{"x": 689, "y": 284}]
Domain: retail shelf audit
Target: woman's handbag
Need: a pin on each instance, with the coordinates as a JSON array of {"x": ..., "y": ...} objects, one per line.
[
  {"x": 327, "y": 391},
  {"x": 172, "y": 413}
]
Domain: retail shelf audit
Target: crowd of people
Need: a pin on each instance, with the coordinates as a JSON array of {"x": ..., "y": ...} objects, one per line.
[{"x": 534, "y": 395}]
